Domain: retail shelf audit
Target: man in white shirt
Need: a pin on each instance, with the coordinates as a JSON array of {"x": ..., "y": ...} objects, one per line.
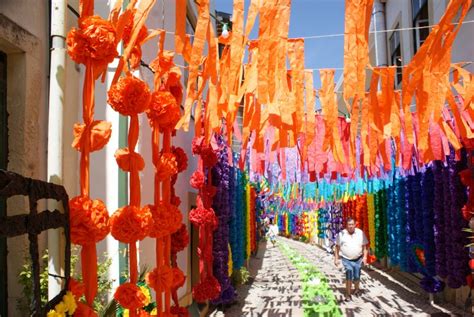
[{"x": 351, "y": 245}]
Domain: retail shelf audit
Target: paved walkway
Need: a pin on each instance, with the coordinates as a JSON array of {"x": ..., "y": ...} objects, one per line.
[{"x": 276, "y": 289}]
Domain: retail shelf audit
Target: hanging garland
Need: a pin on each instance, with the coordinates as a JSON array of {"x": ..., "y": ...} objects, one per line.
[
  {"x": 401, "y": 225},
  {"x": 428, "y": 221},
  {"x": 439, "y": 221},
  {"x": 222, "y": 178},
  {"x": 371, "y": 218},
  {"x": 410, "y": 229},
  {"x": 380, "y": 224}
]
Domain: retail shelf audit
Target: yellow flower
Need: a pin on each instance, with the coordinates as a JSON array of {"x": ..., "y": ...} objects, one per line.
[
  {"x": 154, "y": 312},
  {"x": 61, "y": 308},
  {"x": 126, "y": 313},
  {"x": 147, "y": 294},
  {"x": 53, "y": 313},
  {"x": 70, "y": 303}
]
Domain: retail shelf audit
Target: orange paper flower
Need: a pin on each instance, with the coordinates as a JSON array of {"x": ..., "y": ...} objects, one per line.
[
  {"x": 98, "y": 132},
  {"x": 166, "y": 220},
  {"x": 160, "y": 278},
  {"x": 129, "y": 96},
  {"x": 167, "y": 166},
  {"x": 130, "y": 296},
  {"x": 89, "y": 220},
  {"x": 94, "y": 40},
  {"x": 130, "y": 224},
  {"x": 126, "y": 159},
  {"x": 163, "y": 110}
]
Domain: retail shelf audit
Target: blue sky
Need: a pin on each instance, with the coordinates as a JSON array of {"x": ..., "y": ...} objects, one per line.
[{"x": 312, "y": 17}]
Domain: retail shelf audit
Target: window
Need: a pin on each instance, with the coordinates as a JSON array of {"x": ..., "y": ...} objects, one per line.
[
  {"x": 396, "y": 56},
  {"x": 3, "y": 165},
  {"x": 420, "y": 22}
]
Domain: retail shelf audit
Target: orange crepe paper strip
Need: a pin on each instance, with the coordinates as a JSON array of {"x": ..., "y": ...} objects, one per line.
[
  {"x": 329, "y": 106},
  {"x": 200, "y": 35}
]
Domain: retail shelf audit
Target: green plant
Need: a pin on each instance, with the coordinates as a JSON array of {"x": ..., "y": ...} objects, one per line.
[
  {"x": 104, "y": 285},
  {"x": 25, "y": 278},
  {"x": 240, "y": 276}
]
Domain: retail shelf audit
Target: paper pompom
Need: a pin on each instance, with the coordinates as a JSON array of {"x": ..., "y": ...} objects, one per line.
[
  {"x": 163, "y": 110},
  {"x": 160, "y": 278},
  {"x": 166, "y": 220},
  {"x": 129, "y": 96},
  {"x": 130, "y": 296},
  {"x": 130, "y": 223},
  {"x": 94, "y": 40},
  {"x": 89, "y": 220}
]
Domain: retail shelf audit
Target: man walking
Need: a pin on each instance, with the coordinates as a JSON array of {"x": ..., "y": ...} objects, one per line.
[{"x": 351, "y": 245}]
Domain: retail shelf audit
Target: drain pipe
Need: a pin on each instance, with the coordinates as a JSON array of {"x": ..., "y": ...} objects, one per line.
[
  {"x": 380, "y": 38},
  {"x": 57, "y": 83}
]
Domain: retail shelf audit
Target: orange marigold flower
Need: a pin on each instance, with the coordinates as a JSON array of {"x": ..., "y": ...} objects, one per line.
[
  {"x": 167, "y": 166},
  {"x": 166, "y": 219},
  {"x": 130, "y": 223},
  {"x": 160, "y": 278},
  {"x": 130, "y": 296},
  {"x": 163, "y": 110},
  {"x": 129, "y": 96},
  {"x": 94, "y": 40},
  {"x": 89, "y": 220}
]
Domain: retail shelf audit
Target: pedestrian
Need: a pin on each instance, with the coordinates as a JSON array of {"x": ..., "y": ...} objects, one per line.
[
  {"x": 351, "y": 246},
  {"x": 272, "y": 232}
]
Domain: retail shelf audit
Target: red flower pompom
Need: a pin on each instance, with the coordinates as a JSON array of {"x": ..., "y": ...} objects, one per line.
[
  {"x": 160, "y": 278},
  {"x": 167, "y": 166},
  {"x": 163, "y": 111},
  {"x": 181, "y": 158},
  {"x": 209, "y": 157},
  {"x": 166, "y": 220},
  {"x": 89, "y": 220},
  {"x": 129, "y": 96},
  {"x": 208, "y": 289},
  {"x": 179, "y": 239},
  {"x": 94, "y": 40},
  {"x": 197, "y": 180},
  {"x": 178, "y": 278},
  {"x": 201, "y": 216},
  {"x": 130, "y": 223},
  {"x": 130, "y": 296}
]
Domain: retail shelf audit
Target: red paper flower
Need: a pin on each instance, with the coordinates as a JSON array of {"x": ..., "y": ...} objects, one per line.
[
  {"x": 130, "y": 224},
  {"x": 201, "y": 216},
  {"x": 126, "y": 159},
  {"x": 179, "y": 239},
  {"x": 160, "y": 278},
  {"x": 197, "y": 180},
  {"x": 89, "y": 220},
  {"x": 179, "y": 311},
  {"x": 130, "y": 296},
  {"x": 208, "y": 289},
  {"x": 163, "y": 111},
  {"x": 197, "y": 145},
  {"x": 166, "y": 220},
  {"x": 129, "y": 96},
  {"x": 181, "y": 158},
  {"x": 167, "y": 166},
  {"x": 209, "y": 157},
  {"x": 178, "y": 278},
  {"x": 94, "y": 40}
]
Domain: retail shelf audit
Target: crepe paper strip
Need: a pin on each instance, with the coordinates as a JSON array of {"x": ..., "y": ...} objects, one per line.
[
  {"x": 328, "y": 103},
  {"x": 202, "y": 28},
  {"x": 296, "y": 57},
  {"x": 181, "y": 40},
  {"x": 467, "y": 88},
  {"x": 86, "y": 8},
  {"x": 356, "y": 52}
]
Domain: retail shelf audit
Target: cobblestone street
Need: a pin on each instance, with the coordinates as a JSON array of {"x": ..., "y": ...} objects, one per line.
[{"x": 276, "y": 289}]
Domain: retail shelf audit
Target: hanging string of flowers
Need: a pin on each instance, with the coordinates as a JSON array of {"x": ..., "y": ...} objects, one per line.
[
  {"x": 391, "y": 225},
  {"x": 457, "y": 254},
  {"x": 411, "y": 233},
  {"x": 371, "y": 219},
  {"x": 222, "y": 178},
  {"x": 380, "y": 224},
  {"x": 439, "y": 221},
  {"x": 92, "y": 44},
  {"x": 427, "y": 199},
  {"x": 204, "y": 218},
  {"x": 401, "y": 224}
]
